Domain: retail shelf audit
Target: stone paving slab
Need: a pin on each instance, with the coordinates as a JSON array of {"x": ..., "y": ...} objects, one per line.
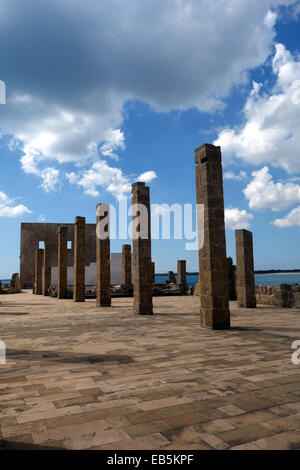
[{"x": 80, "y": 377}]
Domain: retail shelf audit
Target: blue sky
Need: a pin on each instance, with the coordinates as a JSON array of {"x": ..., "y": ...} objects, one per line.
[{"x": 100, "y": 93}]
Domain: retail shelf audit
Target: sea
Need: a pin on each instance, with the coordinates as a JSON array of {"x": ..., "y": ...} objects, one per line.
[{"x": 262, "y": 279}]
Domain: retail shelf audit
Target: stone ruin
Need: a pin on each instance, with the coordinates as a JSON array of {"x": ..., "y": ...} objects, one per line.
[
  {"x": 213, "y": 277},
  {"x": 245, "y": 284},
  {"x": 38, "y": 235},
  {"x": 171, "y": 278},
  {"x": 79, "y": 260},
  {"x": 181, "y": 272},
  {"x": 285, "y": 295},
  {"x": 103, "y": 259},
  {"x": 231, "y": 277},
  {"x": 126, "y": 266},
  {"x": 219, "y": 280},
  {"x": 143, "y": 270},
  {"x": 13, "y": 288},
  {"x": 62, "y": 263}
]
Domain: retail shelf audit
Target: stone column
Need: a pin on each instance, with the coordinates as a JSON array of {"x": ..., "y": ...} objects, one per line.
[
  {"x": 171, "y": 277},
  {"x": 142, "y": 249},
  {"x": 213, "y": 282},
  {"x": 79, "y": 260},
  {"x": 62, "y": 255},
  {"x": 15, "y": 283},
  {"x": 47, "y": 269},
  {"x": 245, "y": 283},
  {"x": 126, "y": 265},
  {"x": 38, "y": 277},
  {"x": 231, "y": 279},
  {"x": 103, "y": 256},
  {"x": 153, "y": 272},
  {"x": 181, "y": 272}
]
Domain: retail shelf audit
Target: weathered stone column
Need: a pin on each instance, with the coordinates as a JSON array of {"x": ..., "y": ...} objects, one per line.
[
  {"x": 62, "y": 256},
  {"x": 141, "y": 224},
  {"x": 245, "y": 283},
  {"x": 231, "y": 279},
  {"x": 181, "y": 272},
  {"x": 47, "y": 269},
  {"x": 15, "y": 283},
  {"x": 126, "y": 265},
  {"x": 103, "y": 255},
  {"x": 38, "y": 277},
  {"x": 79, "y": 260},
  {"x": 214, "y": 310},
  {"x": 171, "y": 277},
  {"x": 153, "y": 272}
]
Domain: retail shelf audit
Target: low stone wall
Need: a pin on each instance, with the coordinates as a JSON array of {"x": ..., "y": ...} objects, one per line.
[{"x": 285, "y": 295}]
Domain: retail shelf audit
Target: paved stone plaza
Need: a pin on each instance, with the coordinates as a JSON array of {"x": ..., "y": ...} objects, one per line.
[{"x": 80, "y": 377}]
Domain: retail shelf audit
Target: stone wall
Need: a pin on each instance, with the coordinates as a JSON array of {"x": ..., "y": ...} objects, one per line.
[
  {"x": 285, "y": 295},
  {"x": 90, "y": 272},
  {"x": 32, "y": 234}
]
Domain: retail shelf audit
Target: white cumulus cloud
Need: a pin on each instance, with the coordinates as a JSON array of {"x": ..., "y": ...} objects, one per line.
[
  {"x": 272, "y": 119},
  {"x": 230, "y": 175},
  {"x": 114, "y": 140},
  {"x": 263, "y": 193},
  {"x": 292, "y": 219},
  {"x": 50, "y": 178},
  {"x": 270, "y": 19},
  {"x": 147, "y": 176},
  {"x": 73, "y": 65},
  {"x": 8, "y": 209},
  {"x": 101, "y": 175},
  {"x": 236, "y": 219}
]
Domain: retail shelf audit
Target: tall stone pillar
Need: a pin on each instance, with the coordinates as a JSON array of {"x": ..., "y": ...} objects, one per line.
[
  {"x": 181, "y": 272},
  {"x": 62, "y": 256},
  {"x": 153, "y": 272},
  {"x": 142, "y": 249},
  {"x": 38, "y": 277},
  {"x": 103, "y": 256},
  {"x": 245, "y": 283},
  {"x": 231, "y": 279},
  {"x": 126, "y": 265},
  {"x": 79, "y": 260},
  {"x": 214, "y": 310},
  {"x": 47, "y": 268}
]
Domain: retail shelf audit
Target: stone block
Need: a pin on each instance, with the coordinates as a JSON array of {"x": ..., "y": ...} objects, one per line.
[
  {"x": 245, "y": 283},
  {"x": 79, "y": 260},
  {"x": 213, "y": 277},
  {"x": 103, "y": 255},
  {"x": 142, "y": 250}
]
